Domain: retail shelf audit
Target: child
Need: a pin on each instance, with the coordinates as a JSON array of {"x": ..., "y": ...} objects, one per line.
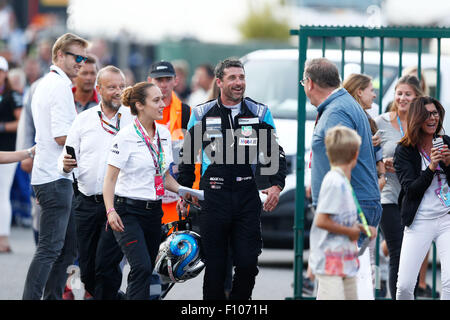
[{"x": 334, "y": 253}]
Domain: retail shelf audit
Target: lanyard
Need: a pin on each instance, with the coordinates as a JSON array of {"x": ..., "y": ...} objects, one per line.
[
  {"x": 114, "y": 128},
  {"x": 157, "y": 156},
  {"x": 438, "y": 169},
  {"x": 400, "y": 126},
  {"x": 76, "y": 111},
  {"x": 358, "y": 207}
]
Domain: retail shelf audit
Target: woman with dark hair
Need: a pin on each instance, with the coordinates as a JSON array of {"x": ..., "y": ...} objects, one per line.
[
  {"x": 10, "y": 108},
  {"x": 136, "y": 176},
  {"x": 422, "y": 164},
  {"x": 392, "y": 126}
]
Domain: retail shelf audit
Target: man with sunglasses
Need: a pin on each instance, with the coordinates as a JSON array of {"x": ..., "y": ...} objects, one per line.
[
  {"x": 84, "y": 92},
  {"x": 53, "y": 110},
  {"x": 91, "y": 136}
]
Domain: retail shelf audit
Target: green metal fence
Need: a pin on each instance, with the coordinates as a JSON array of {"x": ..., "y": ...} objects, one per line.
[{"x": 305, "y": 33}]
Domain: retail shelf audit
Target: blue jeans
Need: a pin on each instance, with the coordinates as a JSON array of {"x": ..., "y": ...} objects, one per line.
[
  {"x": 57, "y": 247},
  {"x": 372, "y": 211}
]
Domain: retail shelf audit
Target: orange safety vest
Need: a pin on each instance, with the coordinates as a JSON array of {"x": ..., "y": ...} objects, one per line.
[{"x": 172, "y": 116}]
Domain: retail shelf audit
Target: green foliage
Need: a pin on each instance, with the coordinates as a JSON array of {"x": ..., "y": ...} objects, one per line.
[{"x": 262, "y": 24}]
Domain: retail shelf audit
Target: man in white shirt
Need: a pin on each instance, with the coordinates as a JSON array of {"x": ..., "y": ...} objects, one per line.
[
  {"x": 91, "y": 136},
  {"x": 53, "y": 112}
]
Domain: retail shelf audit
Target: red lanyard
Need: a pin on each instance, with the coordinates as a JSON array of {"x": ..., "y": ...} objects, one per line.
[
  {"x": 154, "y": 150},
  {"x": 114, "y": 128}
]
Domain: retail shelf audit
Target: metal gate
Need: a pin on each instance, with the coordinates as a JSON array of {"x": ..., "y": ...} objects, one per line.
[{"x": 305, "y": 33}]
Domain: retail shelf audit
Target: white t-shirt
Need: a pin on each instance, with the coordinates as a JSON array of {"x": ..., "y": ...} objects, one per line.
[
  {"x": 330, "y": 253},
  {"x": 431, "y": 206},
  {"x": 53, "y": 110},
  {"x": 131, "y": 155},
  {"x": 234, "y": 109},
  {"x": 92, "y": 144}
]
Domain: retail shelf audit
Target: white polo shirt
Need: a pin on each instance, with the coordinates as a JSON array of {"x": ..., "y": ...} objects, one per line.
[
  {"x": 53, "y": 110},
  {"x": 131, "y": 155},
  {"x": 92, "y": 144}
]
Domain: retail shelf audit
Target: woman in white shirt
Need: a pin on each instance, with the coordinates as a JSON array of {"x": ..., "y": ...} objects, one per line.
[
  {"x": 422, "y": 164},
  {"x": 134, "y": 184}
]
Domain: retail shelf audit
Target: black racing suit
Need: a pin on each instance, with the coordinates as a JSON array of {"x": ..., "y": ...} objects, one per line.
[{"x": 230, "y": 150}]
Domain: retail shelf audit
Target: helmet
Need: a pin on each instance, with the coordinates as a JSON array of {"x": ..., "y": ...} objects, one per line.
[{"x": 179, "y": 257}]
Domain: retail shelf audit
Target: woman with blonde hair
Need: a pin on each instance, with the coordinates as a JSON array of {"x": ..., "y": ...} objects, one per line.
[{"x": 392, "y": 125}]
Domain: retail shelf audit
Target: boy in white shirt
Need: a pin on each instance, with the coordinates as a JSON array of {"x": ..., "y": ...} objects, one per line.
[{"x": 334, "y": 252}]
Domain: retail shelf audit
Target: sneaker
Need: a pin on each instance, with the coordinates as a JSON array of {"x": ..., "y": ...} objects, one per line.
[
  {"x": 308, "y": 287},
  {"x": 426, "y": 292},
  {"x": 68, "y": 294}
]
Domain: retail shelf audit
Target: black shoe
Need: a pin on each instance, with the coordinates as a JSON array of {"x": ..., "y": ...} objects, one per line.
[{"x": 426, "y": 292}]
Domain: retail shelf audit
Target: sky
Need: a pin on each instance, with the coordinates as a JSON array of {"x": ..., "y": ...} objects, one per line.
[
  {"x": 217, "y": 20},
  {"x": 207, "y": 20}
]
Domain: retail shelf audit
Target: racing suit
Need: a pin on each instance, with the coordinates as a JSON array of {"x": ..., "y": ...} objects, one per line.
[{"x": 230, "y": 150}]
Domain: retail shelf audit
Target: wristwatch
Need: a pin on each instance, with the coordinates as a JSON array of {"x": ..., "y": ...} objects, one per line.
[{"x": 30, "y": 153}]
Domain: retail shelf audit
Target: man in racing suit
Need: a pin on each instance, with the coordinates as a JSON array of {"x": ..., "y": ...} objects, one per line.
[{"x": 232, "y": 135}]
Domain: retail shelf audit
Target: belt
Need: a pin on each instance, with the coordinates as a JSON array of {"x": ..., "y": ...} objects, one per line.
[
  {"x": 98, "y": 198},
  {"x": 144, "y": 204}
]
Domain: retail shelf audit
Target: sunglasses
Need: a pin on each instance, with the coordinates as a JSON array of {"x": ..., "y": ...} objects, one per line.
[{"x": 78, "y": 58}]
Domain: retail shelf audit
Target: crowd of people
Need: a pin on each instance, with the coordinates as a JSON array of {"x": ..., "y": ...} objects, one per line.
[
  {"x": 101, "y": 198},
  {"x": 107, "y": 157},
  {"x": 392, "y": 174}
]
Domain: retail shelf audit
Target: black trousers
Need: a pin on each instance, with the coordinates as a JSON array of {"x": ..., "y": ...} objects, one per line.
[
  {"x": 231, "y": 219},
  {"x": 392, "y": 229},
  {"x": 139, "y": 242},
  {"x": 99, "y": 253}
]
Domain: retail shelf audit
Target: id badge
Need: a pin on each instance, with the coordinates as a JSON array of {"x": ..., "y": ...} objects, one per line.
[
  {"x": 443, "y": 194},
  {"x": 159, "y": 185}
]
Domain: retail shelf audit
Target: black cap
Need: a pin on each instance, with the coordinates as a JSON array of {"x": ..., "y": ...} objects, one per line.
[{"x": 162, "y": 69}]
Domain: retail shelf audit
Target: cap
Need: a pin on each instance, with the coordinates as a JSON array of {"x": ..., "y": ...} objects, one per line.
[
  {"x": 3, "y": 64},
  {"x": 162, "y": 69}
]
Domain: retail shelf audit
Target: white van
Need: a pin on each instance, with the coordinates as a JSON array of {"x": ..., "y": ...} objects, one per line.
[{"x": 272, "y": 78}]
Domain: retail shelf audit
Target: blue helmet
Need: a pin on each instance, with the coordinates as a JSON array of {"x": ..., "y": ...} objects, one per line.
[{"x": 179, "y": 257}]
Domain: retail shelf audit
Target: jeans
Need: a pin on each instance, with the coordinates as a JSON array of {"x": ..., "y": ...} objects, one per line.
[
  {"x": 417, "y": 239},
  {"x": 139, "y": 242},
  {"x": 99, "y": 253},
  {"x": 372, "y": 211},
  {"x": 392, "y": 229},
  {"x": 57, "y": 247}
]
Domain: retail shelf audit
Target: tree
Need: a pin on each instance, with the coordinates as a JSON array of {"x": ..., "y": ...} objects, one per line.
[{"x": 262, "y": 24}]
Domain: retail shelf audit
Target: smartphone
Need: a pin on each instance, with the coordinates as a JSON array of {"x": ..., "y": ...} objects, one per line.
[
  {"x": 438, "y": 142},
  {"x": 379, "y": 133},
  {"x": 70, "y": 150}
]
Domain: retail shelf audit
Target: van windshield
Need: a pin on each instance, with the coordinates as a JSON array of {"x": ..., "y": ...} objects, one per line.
[{"x": 275, "y": 83}]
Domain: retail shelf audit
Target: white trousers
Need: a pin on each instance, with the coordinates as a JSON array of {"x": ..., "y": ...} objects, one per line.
[
  {"x": 417, "y": 239},
  {"x": 7, "y": 172}
]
